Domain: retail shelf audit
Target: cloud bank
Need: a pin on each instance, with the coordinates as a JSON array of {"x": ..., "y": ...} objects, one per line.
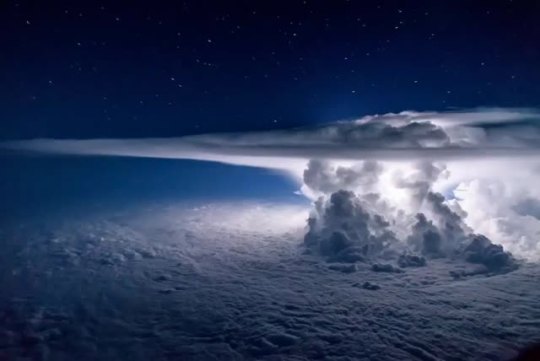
[{"x": 166, "y": 281}]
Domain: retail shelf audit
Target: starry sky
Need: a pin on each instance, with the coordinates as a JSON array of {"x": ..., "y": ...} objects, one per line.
[{"x": 157, "y": 69}]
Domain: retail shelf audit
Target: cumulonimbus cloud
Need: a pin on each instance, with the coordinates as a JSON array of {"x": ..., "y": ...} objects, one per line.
[{"x": 377, "y": 175}]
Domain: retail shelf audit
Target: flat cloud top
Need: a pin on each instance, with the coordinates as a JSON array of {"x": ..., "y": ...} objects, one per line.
[{"x": 478, "y": 133}]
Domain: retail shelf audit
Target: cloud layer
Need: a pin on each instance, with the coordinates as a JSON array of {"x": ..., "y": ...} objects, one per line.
[
  {"x": 393, "y": 136},
  {"x": 167, "y": 282}
]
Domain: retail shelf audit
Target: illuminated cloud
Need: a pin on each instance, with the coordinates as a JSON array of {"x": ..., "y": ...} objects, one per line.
[{"x": 360, "y": 221}]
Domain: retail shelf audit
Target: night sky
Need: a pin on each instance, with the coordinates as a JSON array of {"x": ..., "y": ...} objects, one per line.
[{"x": 149, "y": 69}]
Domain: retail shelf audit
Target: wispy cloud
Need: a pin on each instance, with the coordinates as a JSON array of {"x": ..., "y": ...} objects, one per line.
[{"x": 395, "y": 136}]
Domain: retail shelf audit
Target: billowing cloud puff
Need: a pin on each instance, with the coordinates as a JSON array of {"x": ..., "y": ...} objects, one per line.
[
  {"x": 344, "y": 229},
  {"x": 504, "y": 209},
  {"x": 321, "y": 177},
  {"x": 359, "y": 222}
]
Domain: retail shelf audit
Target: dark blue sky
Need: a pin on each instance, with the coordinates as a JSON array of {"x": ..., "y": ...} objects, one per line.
[
  {"x": 139, "y": 69},
  {"x": 45, "y": 184}
]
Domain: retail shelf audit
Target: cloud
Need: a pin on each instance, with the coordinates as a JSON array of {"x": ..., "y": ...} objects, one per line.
[
  {"x": 180, "y": 285},
  {"x": 378, "y": 195},
  {"x": 479, "y": 133},
  {"x": 343, "y": 228},
  {"x": 321, "y": 177},
  {"x": 408, "y": 178},
  {"x": 384, "y": 267},
  {"x": 359, "y": 222},
  {"x": 503, "y": 209}
]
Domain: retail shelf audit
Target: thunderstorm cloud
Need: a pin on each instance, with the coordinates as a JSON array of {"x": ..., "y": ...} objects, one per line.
[{"x": 409, "y": 184}]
